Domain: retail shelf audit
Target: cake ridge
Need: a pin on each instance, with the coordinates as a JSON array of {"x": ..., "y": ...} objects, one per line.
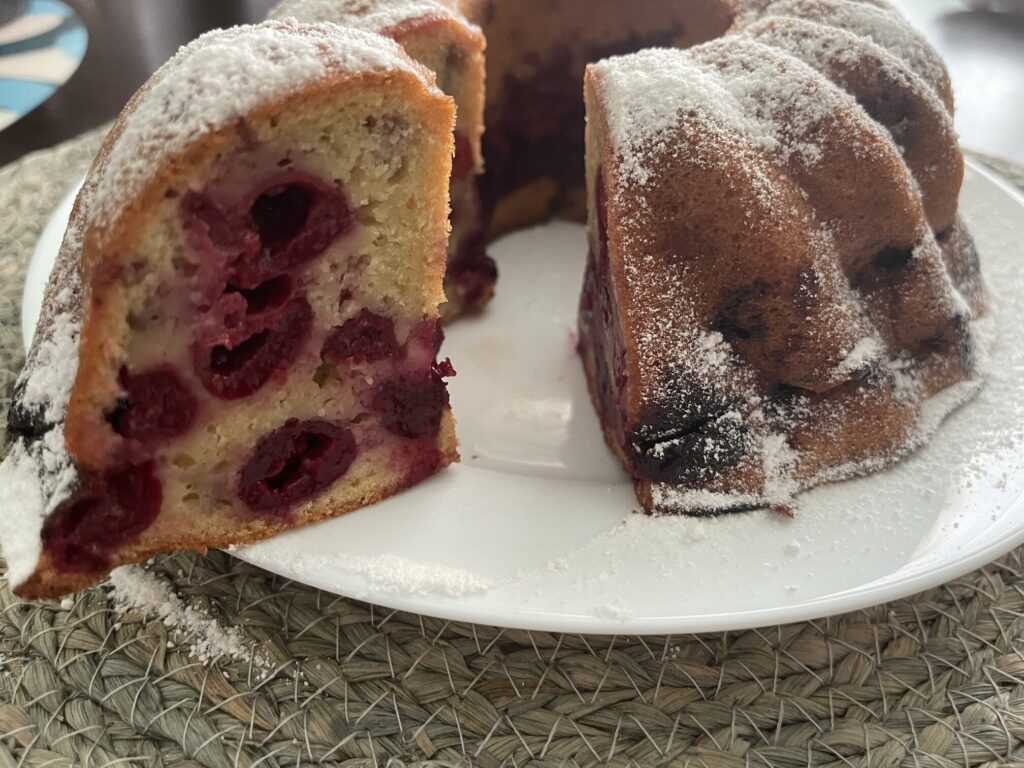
[{"x": 876, "y": 20}]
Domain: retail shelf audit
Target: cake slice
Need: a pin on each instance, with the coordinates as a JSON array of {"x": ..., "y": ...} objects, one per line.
[
  {"x": 766, "y": 306},
  {"x": 240, "y": 333},
  {"x": 438, "y": 36}
]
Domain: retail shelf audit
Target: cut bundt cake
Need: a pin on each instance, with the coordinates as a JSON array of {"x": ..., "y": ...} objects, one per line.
[
  {"x": 240, "y": 334},
  {"x": 776, "y": 295},
  {"x": 439, "y": 37}
]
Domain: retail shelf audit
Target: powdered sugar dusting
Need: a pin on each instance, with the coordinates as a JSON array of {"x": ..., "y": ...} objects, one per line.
[
  {"x": 20, "y": 538},
  {"x": 47, "y": 385},
  {"x": 221, "y": 77},
  {"x": 784, "y": 101},
  {"x": 881, "y": 24},
  {"x": 867, "y": 352},
  {"x": 37, "y": 475},
  {"x": 733, "y": 87},
  {"x": 370, "y": 15},
  {"x": 136, "y": 589},
  {"x": 830, "y": 48}
]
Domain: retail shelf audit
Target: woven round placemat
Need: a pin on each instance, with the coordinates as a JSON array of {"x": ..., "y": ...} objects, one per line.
[{"x": 934, "y": 681}]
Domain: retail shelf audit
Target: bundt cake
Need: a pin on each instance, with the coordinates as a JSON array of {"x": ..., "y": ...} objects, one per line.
[
  {"x": 439, "y": 37},
  {"x": 240, "y": 333},
  {"x": 778, "y": 292}
]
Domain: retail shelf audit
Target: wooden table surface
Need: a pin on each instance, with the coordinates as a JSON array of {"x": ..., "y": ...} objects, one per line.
[{"x": 130, "y": 39}]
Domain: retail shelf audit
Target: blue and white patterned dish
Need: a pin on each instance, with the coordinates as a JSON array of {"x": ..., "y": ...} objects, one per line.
[{"x": 40, "y": 49}]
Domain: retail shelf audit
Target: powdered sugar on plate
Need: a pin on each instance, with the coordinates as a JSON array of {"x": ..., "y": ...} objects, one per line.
[
  {"x": 386, "y": 572},
  {"x": 740, "y": 91}
]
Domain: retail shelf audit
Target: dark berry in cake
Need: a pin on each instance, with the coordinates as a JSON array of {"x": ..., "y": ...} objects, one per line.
[
  {"x": 365, "y": 338},
  {"x": 294, "y": 462}
]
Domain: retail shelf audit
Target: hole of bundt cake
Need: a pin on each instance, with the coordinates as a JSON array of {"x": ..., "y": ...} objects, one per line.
[
  {"x": 462, "y": 163},
  {"x": 892, "y": 259},
  {"x": 269, "y": 295},
  {"x": 237, "y": 370},
  {"x": 157, "y": 405},
  {"x": 365, "y": 338},
  {"x": 110, "y": 512},
  {"x": 294, "y": 462},
  {"x": 412, "y": 405}
]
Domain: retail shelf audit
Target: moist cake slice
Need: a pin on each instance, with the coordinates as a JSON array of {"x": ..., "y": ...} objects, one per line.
[
  {"x": 439, "y": 37},
  {"x": 240, "y": 333}
]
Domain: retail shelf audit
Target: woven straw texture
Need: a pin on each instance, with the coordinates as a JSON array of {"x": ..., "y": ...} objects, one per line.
[{"x": 936, "y": 681}]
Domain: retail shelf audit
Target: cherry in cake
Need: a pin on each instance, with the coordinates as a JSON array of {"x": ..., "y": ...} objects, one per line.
[
  {"x": 240, "y": 334},
  {"x": 772, "y": 299},
  {"x": 437, "y": 35}
]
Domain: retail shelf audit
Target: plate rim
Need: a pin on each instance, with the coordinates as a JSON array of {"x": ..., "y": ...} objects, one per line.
[{"x": 466, "y": 609}]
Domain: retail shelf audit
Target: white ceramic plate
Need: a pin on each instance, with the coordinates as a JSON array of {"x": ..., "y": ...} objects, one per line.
[{"x": 534, "y": 529}]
